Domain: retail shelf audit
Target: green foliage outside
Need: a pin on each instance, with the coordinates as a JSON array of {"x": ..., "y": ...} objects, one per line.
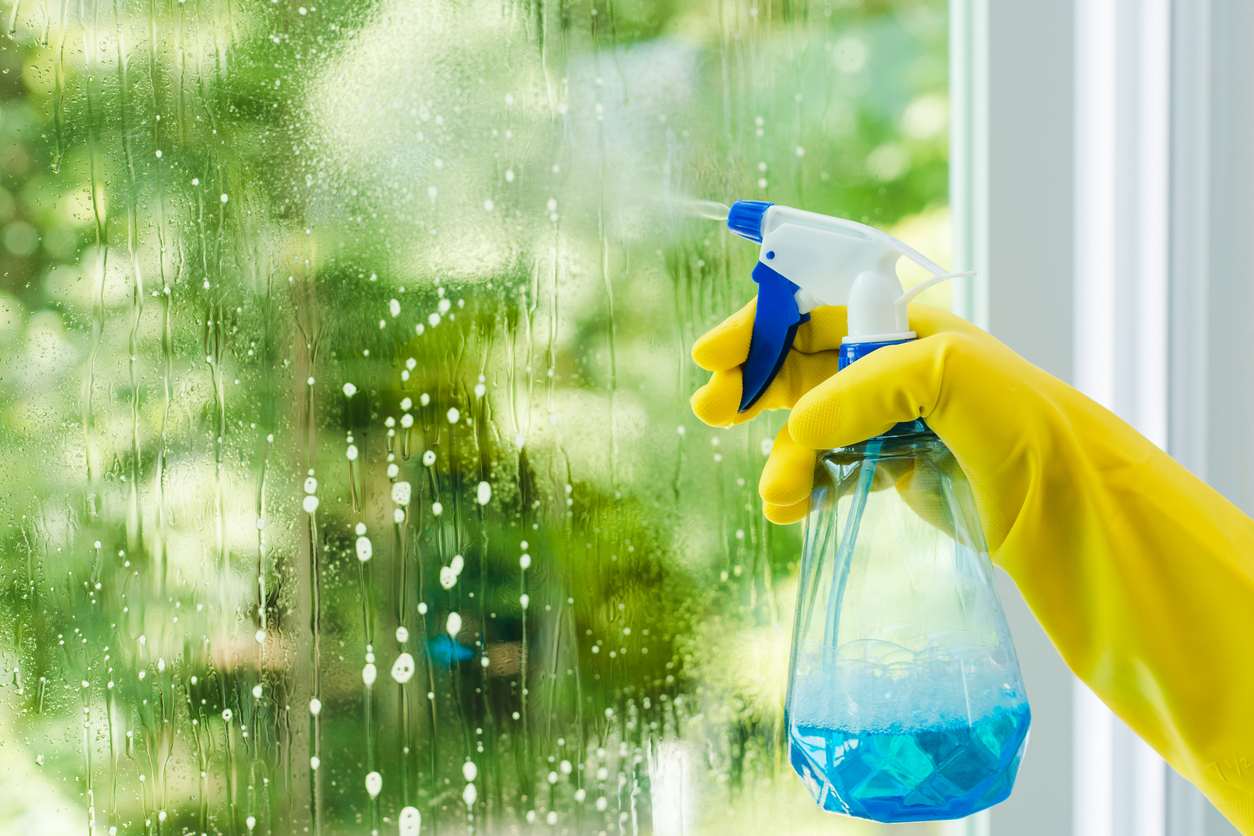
[{"x": 432, "y": 264}]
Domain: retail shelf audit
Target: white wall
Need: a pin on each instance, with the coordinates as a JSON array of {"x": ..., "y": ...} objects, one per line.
[{"x": 1029, "y": 308}]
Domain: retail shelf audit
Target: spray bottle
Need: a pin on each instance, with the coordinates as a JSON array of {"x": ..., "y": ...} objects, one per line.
[{"x": 905, "y": 701}]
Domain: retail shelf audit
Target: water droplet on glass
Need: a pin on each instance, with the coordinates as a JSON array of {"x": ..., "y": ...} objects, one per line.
[{"x": 410, "y": 821}]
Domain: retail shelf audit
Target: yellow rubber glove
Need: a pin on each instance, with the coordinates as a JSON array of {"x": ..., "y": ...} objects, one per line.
[{"x": 1141, "y": 574}]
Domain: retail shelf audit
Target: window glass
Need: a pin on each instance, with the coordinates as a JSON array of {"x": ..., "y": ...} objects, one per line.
[{"x": 350, "y": 483}]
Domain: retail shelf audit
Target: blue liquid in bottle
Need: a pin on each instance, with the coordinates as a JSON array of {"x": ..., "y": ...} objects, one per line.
[{"x": 905, "y": 700}]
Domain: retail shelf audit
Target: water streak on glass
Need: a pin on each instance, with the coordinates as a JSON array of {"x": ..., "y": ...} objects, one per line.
[{"x": 350, "y": 480}]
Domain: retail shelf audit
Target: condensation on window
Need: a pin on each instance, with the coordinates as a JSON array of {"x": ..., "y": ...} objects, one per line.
[{"x": 349, "y": 479}]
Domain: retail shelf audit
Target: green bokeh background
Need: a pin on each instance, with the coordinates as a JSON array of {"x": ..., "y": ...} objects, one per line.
[{"x": 214, "y": 215}]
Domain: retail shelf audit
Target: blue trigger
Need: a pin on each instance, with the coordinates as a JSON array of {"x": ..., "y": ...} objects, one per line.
[{"x": 774, "y": 327}]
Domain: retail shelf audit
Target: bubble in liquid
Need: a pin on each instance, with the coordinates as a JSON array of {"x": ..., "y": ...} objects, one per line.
[
  {"x": 350, "y": 390},
  {"x": 227, "y": 714},
  {"x": 315, "y": 762},
  {"x": 470, "y": 794},
  {"x": 524, "y": 599},
  {"x": 448, "y": 578},
  {"x": 361, "y": 529},
  {"x": 351, "y": 452},
  {"x": 484, "y": 493},
  {"x": 374, "y": 783},
  {"x": 453, "y": 415},
  {"x": 400, "y": 493},
  {"x": 580, "y": 795},
  {"x": 524, "y": 561},
  {"x": 454, "y": 624},
  {"x": 315, "y": 706},
  {"x": 310, "y": 504},
  {"x": 457, "y": 564},
  {"x": 364, "y": 549},
  {"x": 520, "y": 440},
  {"x": 469, "y": 770},
  {"x": 369, "y": 673},
  {"x": 402, "y": 635},
  {"x": 257, "y": 691},
  {"x": 437, "y": 509},
  {"x": 428, "y": 458},
  {"x": 250, "y": 822},
  {"x": 260, "y": 636},
  {"x": 394, "y": 307}
]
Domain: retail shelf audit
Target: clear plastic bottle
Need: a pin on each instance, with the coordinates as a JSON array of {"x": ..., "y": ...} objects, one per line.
[{"x": 905, "y": 701}]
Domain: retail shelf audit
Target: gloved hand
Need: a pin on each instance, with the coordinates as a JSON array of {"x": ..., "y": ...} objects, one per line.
[{"x": 1141, "y": 574}]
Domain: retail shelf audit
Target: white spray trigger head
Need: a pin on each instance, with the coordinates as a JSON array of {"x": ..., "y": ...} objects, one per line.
[{"x": 833, "y": 261}]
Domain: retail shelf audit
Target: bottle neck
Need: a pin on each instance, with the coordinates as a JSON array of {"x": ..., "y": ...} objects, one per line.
[{"x": 850, "y": 352}]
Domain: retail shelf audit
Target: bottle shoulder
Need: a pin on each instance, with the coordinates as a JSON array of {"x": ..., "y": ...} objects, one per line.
[{"x": 905, "y": 439}]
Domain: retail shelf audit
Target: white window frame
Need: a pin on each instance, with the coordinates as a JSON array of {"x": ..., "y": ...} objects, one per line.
[{"x": 1101, "y": 174}]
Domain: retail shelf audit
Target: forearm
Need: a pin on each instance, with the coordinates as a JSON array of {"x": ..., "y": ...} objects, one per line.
[{"x": 1148, "y": 593}]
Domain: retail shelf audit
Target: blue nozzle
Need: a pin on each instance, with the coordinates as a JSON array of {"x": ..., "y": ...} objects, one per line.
[{"x": 745, "y": 218}]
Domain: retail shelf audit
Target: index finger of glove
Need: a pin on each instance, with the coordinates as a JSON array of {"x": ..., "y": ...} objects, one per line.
[
  {"x": 892, "y": 384},
  {"x": 727, "y": 344}
]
